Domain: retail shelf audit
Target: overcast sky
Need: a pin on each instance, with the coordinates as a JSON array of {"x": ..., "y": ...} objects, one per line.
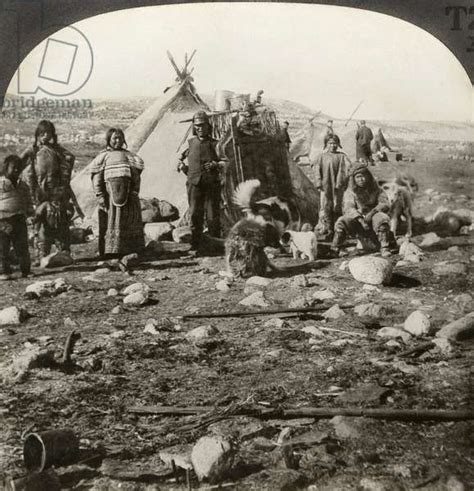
[{"x": 328, "y": 58}]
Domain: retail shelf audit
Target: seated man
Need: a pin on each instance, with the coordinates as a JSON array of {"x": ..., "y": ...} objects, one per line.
[{"x": 365, "y": 207}]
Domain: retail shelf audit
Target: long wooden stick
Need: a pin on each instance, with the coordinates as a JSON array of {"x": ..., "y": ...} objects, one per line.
[
  {"x": 245, "y": 313},
  {"x": 316, "y": 412}
]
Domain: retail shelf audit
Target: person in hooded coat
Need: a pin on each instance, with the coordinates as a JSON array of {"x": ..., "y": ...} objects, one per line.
[{"x": 365, "y": 207}]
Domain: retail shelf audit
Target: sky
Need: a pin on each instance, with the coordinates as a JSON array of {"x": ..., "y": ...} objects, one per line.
[{"x": 328, "y": 58}]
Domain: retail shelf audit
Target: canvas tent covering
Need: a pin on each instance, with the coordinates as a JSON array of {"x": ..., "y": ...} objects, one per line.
[{"x": 158, "y": 135}]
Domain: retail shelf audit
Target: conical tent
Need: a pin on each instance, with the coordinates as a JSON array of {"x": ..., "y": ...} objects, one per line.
[
  {"x": 156, "y": 135},
  {"x": 159, "y": 135}
]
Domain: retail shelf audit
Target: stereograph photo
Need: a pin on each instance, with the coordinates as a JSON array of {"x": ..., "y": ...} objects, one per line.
[{"x": 236, "y": 246}]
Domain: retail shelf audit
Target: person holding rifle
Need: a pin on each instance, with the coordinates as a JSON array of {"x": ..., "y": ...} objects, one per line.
[{"x": 201, "y": 164}]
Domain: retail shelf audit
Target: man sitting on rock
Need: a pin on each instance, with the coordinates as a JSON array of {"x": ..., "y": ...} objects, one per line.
[{"x": 365, "y": 207}]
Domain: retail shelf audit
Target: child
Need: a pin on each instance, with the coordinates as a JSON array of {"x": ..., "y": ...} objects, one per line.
[
  {"x": 48, "y": 175},
  {"x": 116, "y": 183},
  {"x": 331, "y": 169},
  {"x": 15, "y": 206},
  {"x": 365, "y": 208}
]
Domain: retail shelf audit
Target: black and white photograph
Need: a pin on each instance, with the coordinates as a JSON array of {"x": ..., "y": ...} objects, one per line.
[{"x": 236, "y": 245}]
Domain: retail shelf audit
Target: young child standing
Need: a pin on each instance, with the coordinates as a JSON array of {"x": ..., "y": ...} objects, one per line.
[{"x": 15, "y": 206}]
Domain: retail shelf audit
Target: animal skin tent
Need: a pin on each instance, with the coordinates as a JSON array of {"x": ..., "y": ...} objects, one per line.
[{"x": 159, "y": 135}]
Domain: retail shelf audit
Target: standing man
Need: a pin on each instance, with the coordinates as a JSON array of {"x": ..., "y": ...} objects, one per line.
[
  {"x": 203, "y": 184},
  {"x": 331, "y": 169},
  {"x": 285, "y": 135},
  {"x": 364, "y": 137}
]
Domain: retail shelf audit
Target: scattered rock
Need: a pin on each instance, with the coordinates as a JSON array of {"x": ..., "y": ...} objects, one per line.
[
  {"x": 344, "y": 265},
  {"x": 301, "y": 303},
  {"x": 135, "y": 287},
  {"x": 405, "y": 368},
  {"x": 340, "y": 343},
  {"x": 442, "y": 269},
  {"x": 393, "y": 344},
  {"x": 256, "y": 299},
  {"x": 56, "y": 260},
  {"x": 222, "y": 286},
  {"x": 410, "y": 252},
  {"x": 464, "y": 302},
  {"x": 116, "y": 310},
  {"x": 394, "y": 333},
  {"x": 202, "y": 332},
  {"x": 212, "y": 457},
  {"x": 417, "y": 323},
  {"x": 454, "y": 249},
  {"x": 300, "y": 281},
  {"x": 275, "y": 323},
  {"x": 370, "y": 288},
  {"x": 430, "y": 239},
  {"x": 158, "y": 231},
  {"x": 459, "y": 329},
  {"x": 12, "y": 315},
  {"x": 47, "y": 288},
  {"x": 443, "y": 346},
  {"x": 346, "y": 427},
  {"x": 335, "y": 312},
  {"x": 112, "y": 292},
  {"x": 370, "y": 310},
  {"x": 30, "y": 358},
  {"x": 180, "y": 455},
  {"x": 368, "y": 484},
  {"x": 371, "y": 269},
  {"x": 137, "y": 298},
  {"x": 323, "y": 295},
  {"x": 258, "y": 281},
  {"x": 313, "y": 331}
]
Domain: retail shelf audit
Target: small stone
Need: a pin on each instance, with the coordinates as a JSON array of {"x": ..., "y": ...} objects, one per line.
[
  {"x": 180, "y": 455},
  {"x": 405, "y": 368},
  {"x": 300, "y": 303},
  {"x": 256, "y": 299},
  {"x": 136, "y": 287},
  {"x": 430, "y": 239},
  {"x": 202, "y": 332},
  {"x": 393, "y": 344},
  {"x": 417, "y": 323},
  {"x": 300, "y": 281},
  {"x": 394, "y": 333},
  {"x": 344, "y": 265},
  {"x": 340, "y": 343},
  {"x": 371, "y": 269},
  {"x": 100, "y": 271},
  {"x": 443, "y": 345},
  {"x": 313, "y": 331},
  {"x": 346, "y": 427},
  {"x": 370, "y": 310},
  {"x": 258, "y": 281},
  {"x": 335, "y": 312},
  {"x": 464, "y": 302},
  {"x": 275, "y": 323},
  {"x": 410, "y": 252},
  {"x": 274, "y": 353},
  {"x": 56, "y": 260},
  {"x": 368, "y": 484},
  {"x": 118, "y": 334},
  {"x": 323, "y": 295},
  {"x": 370, "y": 288},
  {"x": 150, "y": 327},
  {"x": 222, "y": 286},
  {"x": 450, "y": 268},
  {"x": 13, "y": 316},
  {"x": 47, "y": 288},
  {"x": 212, "y": 457},
  {"x": 453, "y": 249},
  {"x": 116, "y": 310},
  {"x": 112, "y": 292},
  {"x": 137, "y": 298}
]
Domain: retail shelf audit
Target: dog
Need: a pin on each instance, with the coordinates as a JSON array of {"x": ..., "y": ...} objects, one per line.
[
  {"x": 245, "y": 244},
  {"x": 401, "y": 205},
  {"x": 403, "y": 180},
  {"x": 304, "y": 244}
]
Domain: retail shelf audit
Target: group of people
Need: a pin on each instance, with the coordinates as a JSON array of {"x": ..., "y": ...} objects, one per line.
[
  {"x": 35, "y": 190},
  {"x": 351, "y": 202}
]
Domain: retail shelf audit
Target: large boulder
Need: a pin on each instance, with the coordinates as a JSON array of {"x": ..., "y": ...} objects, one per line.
[
  {"x": 158, "y": 231},
  {"x": 156, "y": 210},
  {"x": 12, "y": 315},
  {"x": 370, "y": 269}
]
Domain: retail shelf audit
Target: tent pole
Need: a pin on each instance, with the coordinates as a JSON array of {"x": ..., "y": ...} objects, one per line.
[{"x": 238, "y": 156}]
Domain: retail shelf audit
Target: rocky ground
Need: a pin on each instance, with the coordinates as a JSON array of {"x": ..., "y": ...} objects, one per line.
[{"x": 130, "y": 356}]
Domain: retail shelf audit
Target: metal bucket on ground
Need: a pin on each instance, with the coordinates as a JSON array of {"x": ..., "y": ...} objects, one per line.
[{"x": 48, "y": 448}]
